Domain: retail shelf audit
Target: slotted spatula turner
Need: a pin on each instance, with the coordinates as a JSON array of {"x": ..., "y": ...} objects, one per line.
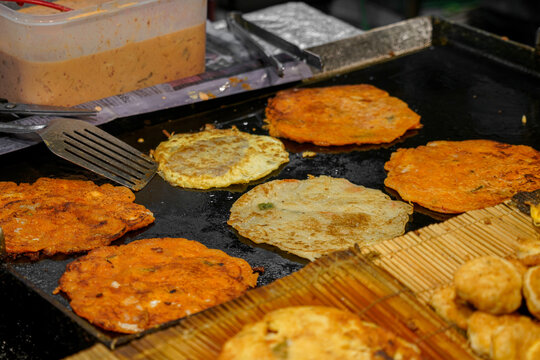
[{"x": 93, "y": 149}]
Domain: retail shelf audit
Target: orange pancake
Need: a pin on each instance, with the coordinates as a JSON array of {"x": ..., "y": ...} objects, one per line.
[
  {"x": 130, "y": 288},
  {"x": 457, "y": 176},
  {"x": 339, "y": 115},
  {"x": 66, "y": 216}
]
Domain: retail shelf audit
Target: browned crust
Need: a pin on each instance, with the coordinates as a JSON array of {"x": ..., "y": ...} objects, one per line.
[
  {"x": 457, "y": 176},
  {"x": 66, "y": 216},
  {"x": 339, "y": 115},
  {"x": 133, "y": 287}
]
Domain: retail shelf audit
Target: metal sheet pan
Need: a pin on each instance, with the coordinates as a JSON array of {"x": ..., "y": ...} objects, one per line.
[{"x": 465, "y": 84}]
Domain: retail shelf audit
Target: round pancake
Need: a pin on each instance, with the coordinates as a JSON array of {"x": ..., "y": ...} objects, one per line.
[
  {"x": 457, "y": 176},
  {"x": 315, "y": 332},
  {"x": 65, "y": 216},
  {"x": 316, "y": 216},
  {"x": 491, "y": 284},
  {"x": 133, "y": 287},
  {"x": 218, "y": 158},
  {"x": 339, "y": 115}
]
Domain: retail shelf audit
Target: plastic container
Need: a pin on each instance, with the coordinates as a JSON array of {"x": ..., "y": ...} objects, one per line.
[{"x": 102, "y": 48}]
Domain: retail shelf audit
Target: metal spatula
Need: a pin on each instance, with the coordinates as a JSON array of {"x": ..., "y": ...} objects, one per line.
[{"x": 93, "y": 149}]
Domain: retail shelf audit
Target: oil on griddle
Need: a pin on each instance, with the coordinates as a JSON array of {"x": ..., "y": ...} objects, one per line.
[{"x": 460, "y": 95}]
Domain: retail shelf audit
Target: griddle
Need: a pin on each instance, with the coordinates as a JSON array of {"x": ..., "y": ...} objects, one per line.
[{"x": 465, "y": 84}]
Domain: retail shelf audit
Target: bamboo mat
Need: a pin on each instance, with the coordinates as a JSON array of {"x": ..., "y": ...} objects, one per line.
[
  {"x": 426, "y": 259},
  {"x": 392, "y": 294}
]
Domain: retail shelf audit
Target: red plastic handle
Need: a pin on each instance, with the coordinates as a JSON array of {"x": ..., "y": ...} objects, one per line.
[{"x": 42, "y": 3}]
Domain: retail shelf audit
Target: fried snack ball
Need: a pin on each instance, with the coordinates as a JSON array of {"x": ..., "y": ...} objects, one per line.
[
  {"x": 66, "y": 216},
  {"x": 528, "y": 251},
  {"x": 315, "y": 332},
  {"x": 501, "y": 337},
  {"x": 339, "y": 115},
  {"x": 133, "y": 287},
  {"x": 491, "y": 284},
  {"x": 513, "y": 339},
  {"x": 458, "y": 176},
  {"x": 533, "y": 352},
  {"x": 451, "y": 308},
  {"x": 480, "y": 328},
  {"x": 531, "y": 290}
]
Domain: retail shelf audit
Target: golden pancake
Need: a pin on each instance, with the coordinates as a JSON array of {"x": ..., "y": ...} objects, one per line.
[
  {"x": 130, "y": 288},
  {"x": 313, "y": 217},
  {"x": 457, "y": 176},
  {"x": 491, "y": 284},
  {"x": 66, "y": 216},
  {"x": 315, "y": 332},
  {"x": 339, "y": 115},
  {"x": 218, "y": 158}
]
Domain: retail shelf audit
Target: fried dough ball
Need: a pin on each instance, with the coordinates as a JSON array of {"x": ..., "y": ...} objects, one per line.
[
  {"x": 451, "y": 308},
  {"x": 533, "y": 353},
  {"x": 528, "y": 251},
  {"x": 480, "y": 329},
  {"x": 491, "y": 284},
  {"x": 531, "y": 290},
  {"x": 513, "y": 339}
]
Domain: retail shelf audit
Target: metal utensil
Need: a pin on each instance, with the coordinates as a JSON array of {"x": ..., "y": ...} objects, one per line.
[
  {"x": 93, "y": 149},
  {"x": 242, "y": 29},
  {"x": 44, "y": 110}
]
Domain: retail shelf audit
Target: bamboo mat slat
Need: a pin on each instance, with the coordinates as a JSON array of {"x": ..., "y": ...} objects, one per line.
[
  {"x": 393, "y": 294},
  {"x": 433, "y": 253}
]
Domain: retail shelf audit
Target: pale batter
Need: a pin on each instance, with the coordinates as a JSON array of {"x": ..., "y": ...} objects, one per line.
[{"x": 77, "y": 80}]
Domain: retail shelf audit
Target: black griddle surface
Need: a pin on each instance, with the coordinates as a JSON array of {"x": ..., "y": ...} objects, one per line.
[{"x": 459, "y": 95}]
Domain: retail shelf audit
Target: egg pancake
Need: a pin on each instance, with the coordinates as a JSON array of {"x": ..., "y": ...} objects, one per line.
[
  {"x": 66, "y": 216},
  {"x": 218, "y": 158},
  {"x": 133, "y": 287},
  {"x": 315, "y": 332},
  {"x": 339, "y": 115},
  {"x": 313, "y": 217},
  {"x": 457, "y": 176}
]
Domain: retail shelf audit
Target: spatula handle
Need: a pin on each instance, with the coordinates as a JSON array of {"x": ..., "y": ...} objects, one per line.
[{"x": 20, "y": 129}]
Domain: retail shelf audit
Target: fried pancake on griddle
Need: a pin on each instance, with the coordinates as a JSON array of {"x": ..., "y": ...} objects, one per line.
[
  {"x": 66, "y": 216},
  {"x": 133, "y": 287},
  {"x": 339, "y": 115},
  {"x": 315, "y": 332},
  {"x": 218, "y": 158},
  {"x": 313, "y": 217},
  {"x": 457, "y": 176}
]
